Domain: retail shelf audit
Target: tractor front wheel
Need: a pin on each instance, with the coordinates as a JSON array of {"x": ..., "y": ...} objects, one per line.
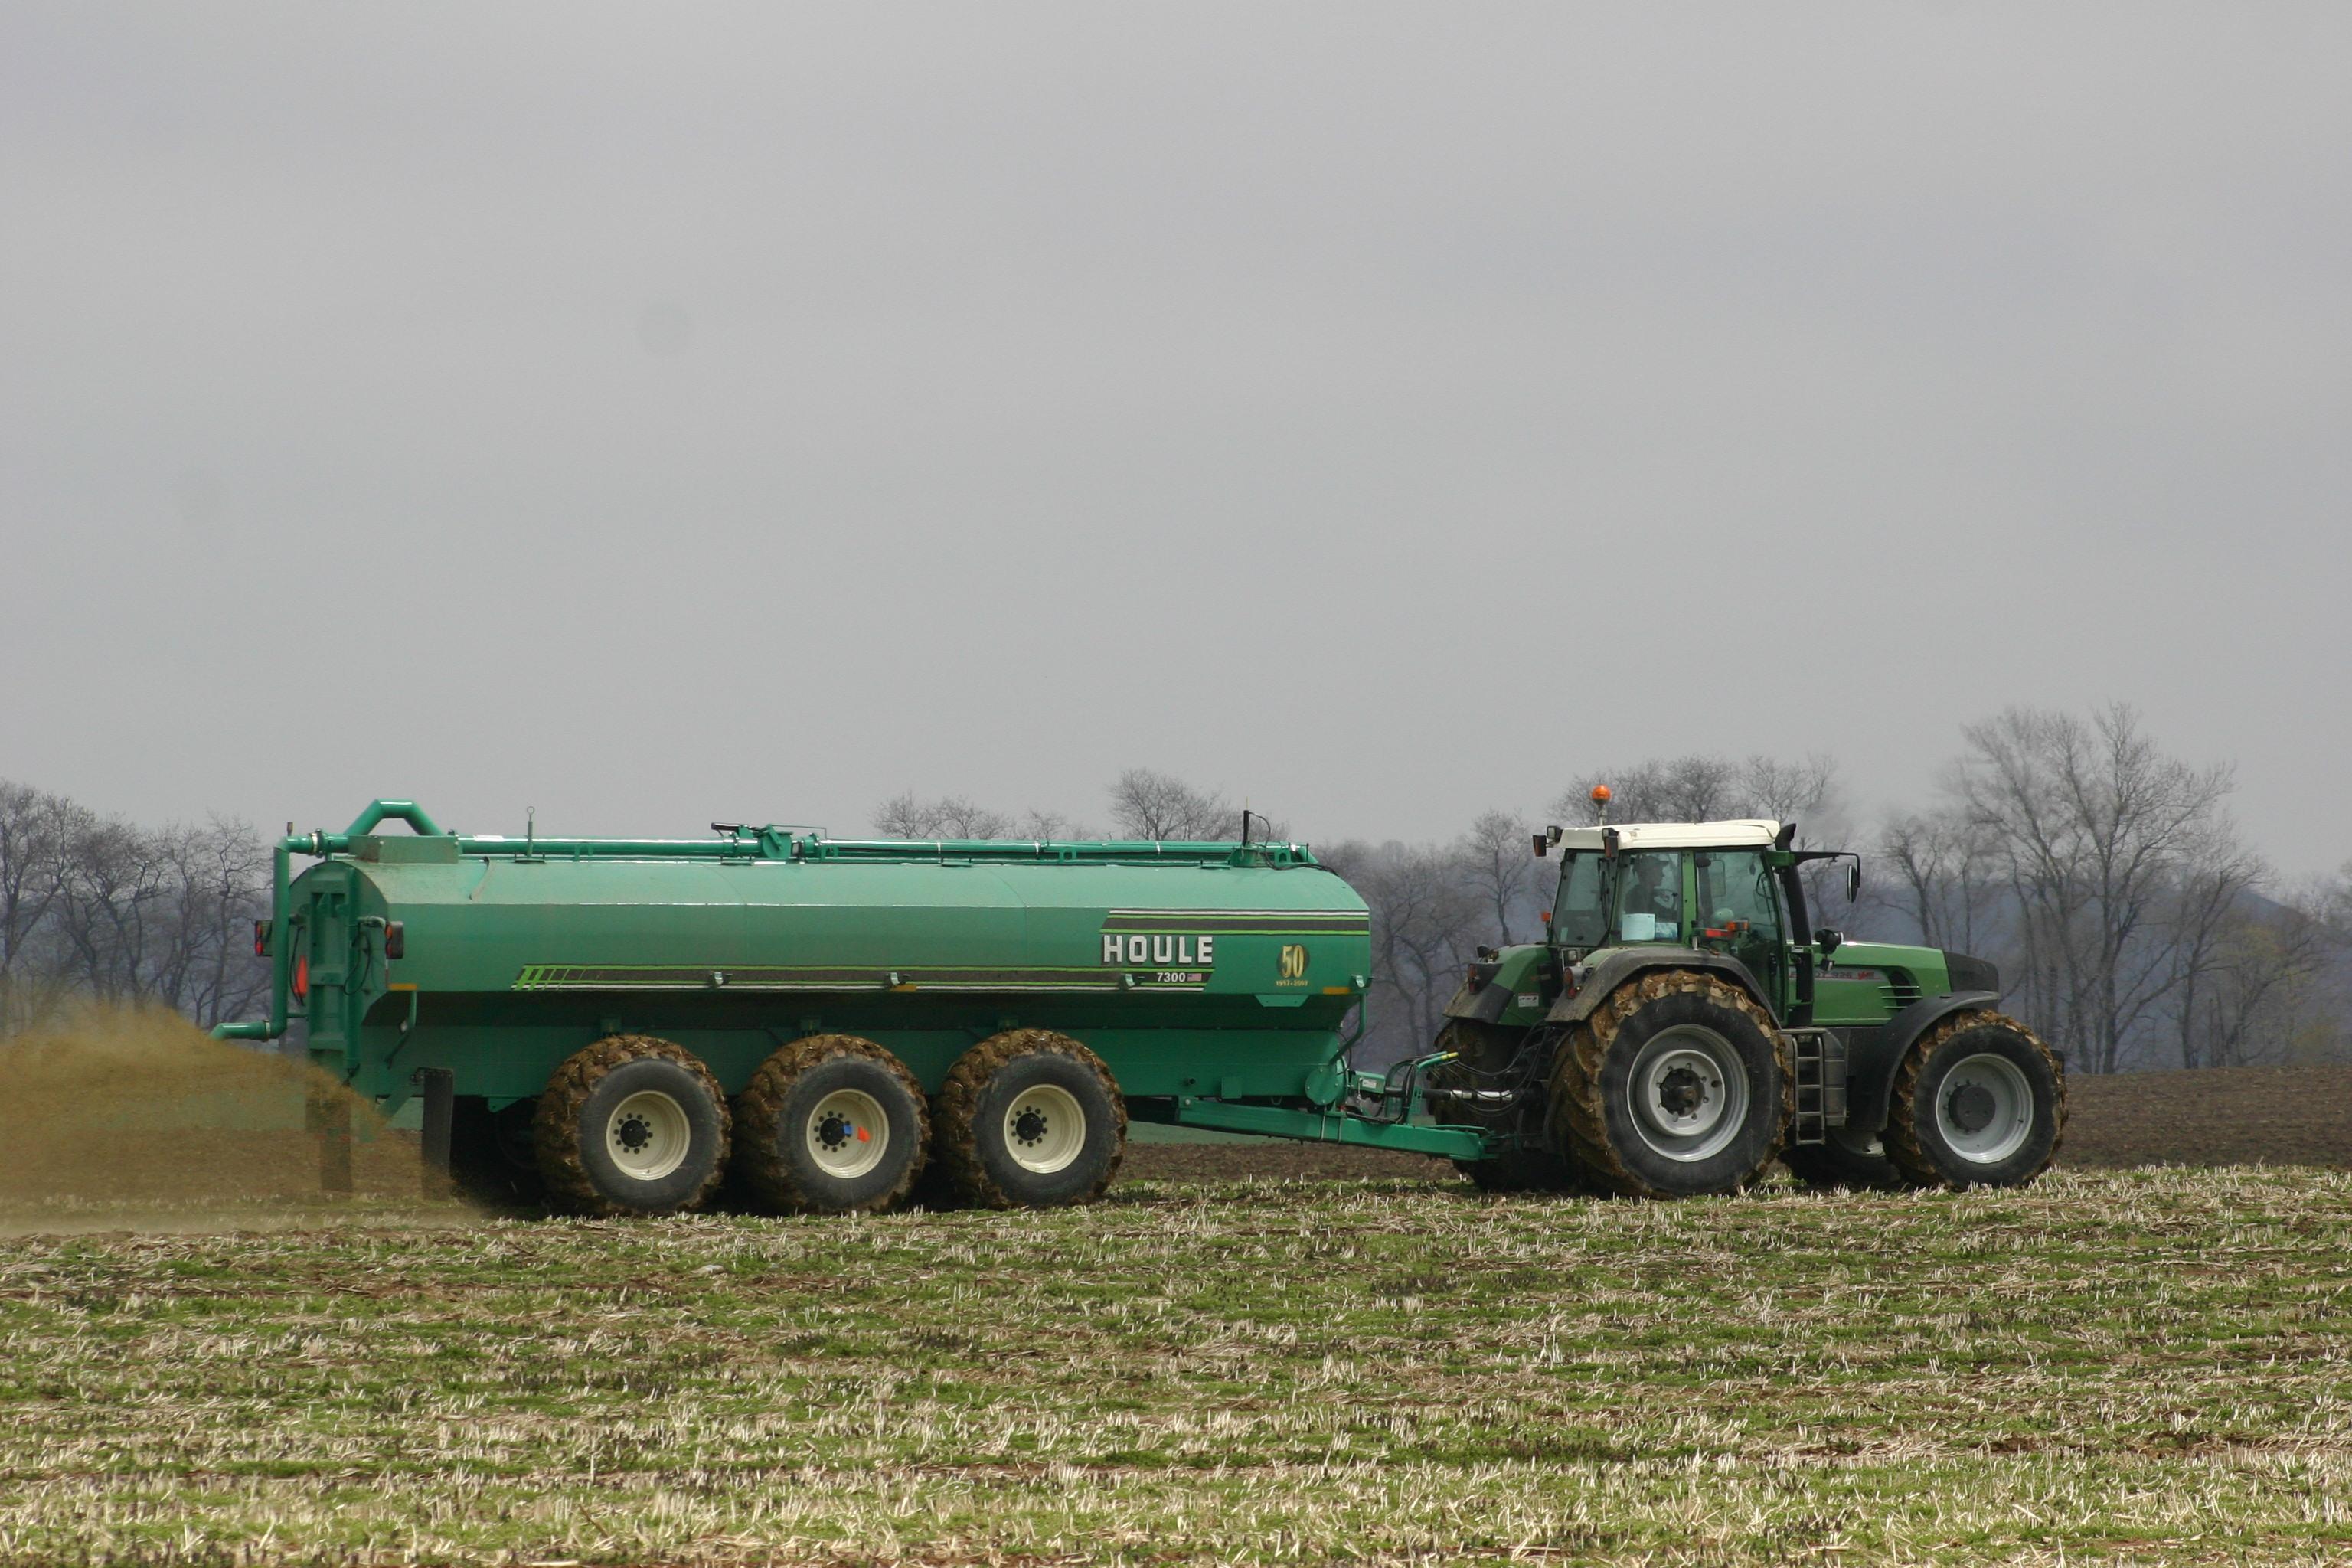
[
  {"x": 633, "y": 1125},
  {"x": 831, "y": 1124},
  {"x": 1673, "y": 1087},
  {"x": 1029, "y": 1119},
  {"x": 1979, "y": 1102}
]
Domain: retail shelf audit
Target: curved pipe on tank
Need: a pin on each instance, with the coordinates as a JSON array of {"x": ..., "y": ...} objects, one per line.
[{"x": 406, "y": 811}]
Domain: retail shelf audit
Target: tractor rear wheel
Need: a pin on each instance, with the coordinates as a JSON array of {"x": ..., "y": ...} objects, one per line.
[
  {"x": 831, "y": 1124},
  {"x": 1979, "y": 1102},
  {"x": 1673, "y": 1085},
  {"x": 1484, "y": 1054},
  {"x": 1029, "y": 1119},
  {"x": 1845, "y": 1159},
  {"x": 631, "y": 1125}
]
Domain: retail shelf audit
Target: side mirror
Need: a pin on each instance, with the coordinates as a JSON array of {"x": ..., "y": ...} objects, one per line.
[
  {"x": 1542, "y": 846},
  {"x": 1854, "y": 882},
  {"x": 1829, "y": 940}
]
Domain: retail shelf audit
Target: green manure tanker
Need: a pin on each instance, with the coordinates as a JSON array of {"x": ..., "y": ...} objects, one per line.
[
  {"x": 626, "y": 1021},
  {"x": 620, "y": 1025}
]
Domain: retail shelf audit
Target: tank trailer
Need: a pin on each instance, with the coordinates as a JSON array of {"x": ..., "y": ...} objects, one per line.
[{"x": 618, "y": 1025}]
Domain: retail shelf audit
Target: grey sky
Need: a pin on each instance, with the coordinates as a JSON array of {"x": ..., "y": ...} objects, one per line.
[{"x": 660, "y": 412}]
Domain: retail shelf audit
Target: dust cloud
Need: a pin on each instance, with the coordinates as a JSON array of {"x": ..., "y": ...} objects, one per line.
[{"x": 138, "y": 1119}]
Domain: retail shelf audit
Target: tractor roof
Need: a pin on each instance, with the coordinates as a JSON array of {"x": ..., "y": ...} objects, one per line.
[{"x": 1746, "y": 833}]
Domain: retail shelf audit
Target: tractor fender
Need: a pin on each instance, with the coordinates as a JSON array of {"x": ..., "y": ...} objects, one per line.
[
  {"x": 1482, "y": 1003},
  {"x": 1622, "y": 966},
  {"x": 1872, "y": 1053}
]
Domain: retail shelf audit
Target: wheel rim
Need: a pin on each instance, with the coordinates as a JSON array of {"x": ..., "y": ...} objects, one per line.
[
  {"x": 848, "y": 1132},
  {"x": 648, "y": 1136},
  {"x": 1688, "y": 1093},
  {"x": 1984, "y": 1109},
  {"x": 1044, "y": 1128}
]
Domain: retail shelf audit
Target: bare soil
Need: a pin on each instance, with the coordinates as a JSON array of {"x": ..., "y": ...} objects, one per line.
[{"x": 2217, "y": 1116}]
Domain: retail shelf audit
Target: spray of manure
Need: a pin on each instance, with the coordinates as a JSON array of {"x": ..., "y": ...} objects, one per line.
[{"x": 135, "y": 1119}]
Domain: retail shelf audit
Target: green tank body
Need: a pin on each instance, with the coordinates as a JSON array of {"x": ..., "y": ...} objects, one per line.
[{"x": 1194, "y": 971}]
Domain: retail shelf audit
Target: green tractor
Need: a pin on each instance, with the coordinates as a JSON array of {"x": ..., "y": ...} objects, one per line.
[{"x": 1684, "y": 1024}]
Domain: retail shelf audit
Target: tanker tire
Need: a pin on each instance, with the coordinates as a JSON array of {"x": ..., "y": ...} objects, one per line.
[
  {"x": 578, "y": 1118},
  {"x": 1836, "y": 1164},
  {"x": 1592, "y": 1114},
  {"x": 801, "y": 1129},
  {"x": 1038, "y": 1079},
  {"x": 1490, "y": 1050},
  {"x": 1925, "y": 1146}
]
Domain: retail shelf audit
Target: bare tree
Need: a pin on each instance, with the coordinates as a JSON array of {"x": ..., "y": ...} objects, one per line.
[
  {"x": 35, "y": 831},
  {"x": 102, "y": 907},
  {"x": 949, "y": 817},
  {"x": 2206, "y": 945},
  {"x": 1700, "y": 788},
  {"x": 1498, "y": 859},
  {"x": 2091, "y": 826},
  {"x": 2261, "y": 991},
  {"x": 1425, "y": 917},
  {"x": 1942, "y": 869},
  {"x": 1145, "y": 804}
]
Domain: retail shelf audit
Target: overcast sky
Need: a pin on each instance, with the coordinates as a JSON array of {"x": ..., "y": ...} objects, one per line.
[{"x": 657, "y": 414}]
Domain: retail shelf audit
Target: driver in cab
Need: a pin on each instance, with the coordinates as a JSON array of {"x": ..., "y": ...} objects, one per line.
[{"x": 1652, "y": 905}]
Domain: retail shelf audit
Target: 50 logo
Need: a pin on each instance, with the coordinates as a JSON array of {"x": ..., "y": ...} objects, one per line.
[{"x": 1291, "y": 967}]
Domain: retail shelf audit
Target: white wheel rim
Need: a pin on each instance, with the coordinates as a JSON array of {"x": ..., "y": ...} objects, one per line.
[
  {"x": 1688, "y": 1093},
  {"x": 1984, "y": 1109},
  {"x": 648, "y": 1136},
  {"x": 1044, "y": 1128},
  {"x": 848, "y": 1132}
]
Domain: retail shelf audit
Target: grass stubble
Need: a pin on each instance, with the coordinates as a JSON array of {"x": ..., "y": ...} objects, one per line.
[{"x": 2151, "y": 1366}]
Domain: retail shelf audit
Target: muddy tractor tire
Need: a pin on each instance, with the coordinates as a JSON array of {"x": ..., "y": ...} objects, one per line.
[
  {"x": 831, "y": 1124},
  {"x": 1674, "y": 1085},
  {"x": 631, "y": 1125},
  {"x": 1979, "y": 1101},
  {"x": 1028, "y": 1118},
  {"x": 1483, "y": 1053}
]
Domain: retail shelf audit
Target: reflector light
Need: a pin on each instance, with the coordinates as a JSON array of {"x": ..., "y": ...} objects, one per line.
[
  {"x": 261, "y": 938},
  {"x": 302, "y": 976}
]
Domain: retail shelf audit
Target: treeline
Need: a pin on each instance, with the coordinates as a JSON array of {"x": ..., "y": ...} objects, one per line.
[
  {"x": 2132, "y": 925},
  {"x": 95, "y": 907}
]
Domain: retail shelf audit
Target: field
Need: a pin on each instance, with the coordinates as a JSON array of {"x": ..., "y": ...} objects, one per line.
[
  {"x": 1343, "y": 1357},
  {"x": 2144, "y": 1367}
]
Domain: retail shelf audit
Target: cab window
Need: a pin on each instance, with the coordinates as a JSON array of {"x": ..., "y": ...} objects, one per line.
[
  {"x": 1736, "y": 888},
  {"x": 1580, "y": 917},
  {"x": 1650, "y": 898}
]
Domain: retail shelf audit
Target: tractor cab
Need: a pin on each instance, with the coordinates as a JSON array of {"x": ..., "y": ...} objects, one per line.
[{"x": 1727, "y": 888}]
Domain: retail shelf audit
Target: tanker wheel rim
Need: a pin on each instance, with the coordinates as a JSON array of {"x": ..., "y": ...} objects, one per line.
[
  {"x": 1687, "y": 1094},
  {"x": 1044, "y": 1128},
  {"x": 648, "y": 1136},
  {"x": 1984, "y": 1109},
  {"x": 847, "y": 1133}
]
